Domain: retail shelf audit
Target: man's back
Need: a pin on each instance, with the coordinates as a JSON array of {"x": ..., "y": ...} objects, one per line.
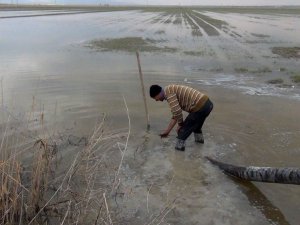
[{"x": 185, "y": 98}]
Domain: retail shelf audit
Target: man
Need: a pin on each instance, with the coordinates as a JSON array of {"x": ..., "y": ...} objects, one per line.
[{"x": 185, "y": 98}]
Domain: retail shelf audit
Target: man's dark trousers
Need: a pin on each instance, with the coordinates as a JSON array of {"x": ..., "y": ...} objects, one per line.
[{"x": 194, "y": 121}]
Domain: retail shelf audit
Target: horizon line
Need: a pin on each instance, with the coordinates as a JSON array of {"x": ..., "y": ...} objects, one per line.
[{"x": 136, "y": 4}]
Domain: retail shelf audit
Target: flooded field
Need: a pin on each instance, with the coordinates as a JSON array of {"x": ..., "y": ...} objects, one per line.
[{"x": 73, "y": 69}]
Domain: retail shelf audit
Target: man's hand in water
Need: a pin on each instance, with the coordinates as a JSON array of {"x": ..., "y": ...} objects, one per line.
[
  {"x": 164, "y": 134},
  {"x": 169, "y": 128}
]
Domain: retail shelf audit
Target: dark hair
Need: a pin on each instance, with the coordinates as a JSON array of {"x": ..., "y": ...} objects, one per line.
[{"x": 155, "y": 90}]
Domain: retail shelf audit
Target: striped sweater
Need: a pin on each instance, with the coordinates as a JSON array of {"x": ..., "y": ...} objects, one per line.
[{"x": 184, "y": 98}]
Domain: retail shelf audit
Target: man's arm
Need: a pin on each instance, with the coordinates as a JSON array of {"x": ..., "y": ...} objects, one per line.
[
  {"x": 169, "y": 128},
  {"x": 175, "y": 108}
]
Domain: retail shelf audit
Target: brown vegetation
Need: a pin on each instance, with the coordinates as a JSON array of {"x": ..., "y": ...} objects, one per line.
[
  {"x": 287, "y": 52},
  {"x": 275, "y": 81},
  {"x": 295, "y": 78},
  {"x": 47, "y": 189},
  {"x": 129, "y": 44},
  {"x": 66, "y": 179}
]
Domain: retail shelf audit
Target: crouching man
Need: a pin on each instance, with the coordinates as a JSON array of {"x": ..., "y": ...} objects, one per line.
[{"x": 185, "y": 98}]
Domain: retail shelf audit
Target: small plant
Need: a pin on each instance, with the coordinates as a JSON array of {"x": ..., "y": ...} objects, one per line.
[
  {"x": 194, "y": 53},
  {"x": 275, "y": 81},
  {"x": 241, "y": 70},
  {"x": 262, "y": 70},
  {"x": 260, "y": 35},
  {"x": 289, "y": 52},
  {"x": 160, "y": 32},
  {"x": 196, "y": 32},
  {"x": 282, "y": 69},
  {"x": 178, "y": 20},
  {"x": 296, "y": 78}
]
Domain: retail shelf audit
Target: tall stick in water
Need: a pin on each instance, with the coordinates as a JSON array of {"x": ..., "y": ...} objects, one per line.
[
  {"x": 143, "y": 89},
  {"x": 2, "y": 92}
]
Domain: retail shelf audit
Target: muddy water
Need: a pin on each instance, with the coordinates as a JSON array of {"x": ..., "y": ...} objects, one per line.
[{"x": 46, "y": 68}]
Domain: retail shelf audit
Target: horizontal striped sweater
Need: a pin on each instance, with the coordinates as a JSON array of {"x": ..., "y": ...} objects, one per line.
[{"x": 184, "y": 98}]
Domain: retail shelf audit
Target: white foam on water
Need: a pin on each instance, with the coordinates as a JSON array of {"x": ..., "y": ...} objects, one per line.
[{"x": 248, "y": 85}]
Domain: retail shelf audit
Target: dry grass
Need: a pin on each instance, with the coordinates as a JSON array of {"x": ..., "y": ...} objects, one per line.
[
  {"x": 73, "y": 189},
  {"x": 10, "y": 191},
  {"x": 44, "y": 192}
]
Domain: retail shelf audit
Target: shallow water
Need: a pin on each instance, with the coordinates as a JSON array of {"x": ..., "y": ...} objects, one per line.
[{"x": 46, "y": 67}]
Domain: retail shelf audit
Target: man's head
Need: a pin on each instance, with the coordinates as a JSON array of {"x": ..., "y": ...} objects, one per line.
[{"x": 156, "y": 92}]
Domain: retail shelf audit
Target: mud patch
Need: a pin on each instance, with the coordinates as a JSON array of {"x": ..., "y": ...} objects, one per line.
[
  {"x": 275, "y": 81},
  {"x": 287, "y": 52},
  {"x": 215, "y": 22},
  {"x": 210, "y": 30},
  {"x": 196, "y": 33},
  {"x": 259, "y": 70},
  {"x": 178, "y": 20},
  {"x": 260, "y": 35},
  {"x": 160, "y": 32},
  {"x": 262, "y": 70},
  {"x": 194, "y": 53},
  {"x": 129, "y": 44},
  {"x": 195, "y": 29},
  {"x": 168, "y": 21},
  {"x": 296, "y": 79},
  {"x": 241, "y": 70}
]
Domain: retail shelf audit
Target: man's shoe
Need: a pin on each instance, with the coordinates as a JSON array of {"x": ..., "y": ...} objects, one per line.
[
  {"x": 199, "y": 138},
  {"x": 180, "y": 145}
]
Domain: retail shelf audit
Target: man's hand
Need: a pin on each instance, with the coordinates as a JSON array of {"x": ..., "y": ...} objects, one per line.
[
  {"x": 169, "y": 129},
  {"x": 164, "y": 134}
]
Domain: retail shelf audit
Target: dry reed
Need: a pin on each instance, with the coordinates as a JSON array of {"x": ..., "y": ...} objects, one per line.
[
  {"x": 77, "y": 189},
  {"x": 47, "y": 193}
]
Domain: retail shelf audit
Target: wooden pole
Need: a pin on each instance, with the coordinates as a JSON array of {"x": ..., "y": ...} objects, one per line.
[
  {"x": 143, "y": 89},
  {"x": 261, "y": 174}
]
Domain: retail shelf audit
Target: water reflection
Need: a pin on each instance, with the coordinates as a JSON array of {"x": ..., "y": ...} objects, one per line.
[{"x": 258, "y": 200}]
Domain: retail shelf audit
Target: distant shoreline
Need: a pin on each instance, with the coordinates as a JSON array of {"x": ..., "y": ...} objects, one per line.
[
  {"x": 18, "y": 7},
  {"x": 12, "y": 7},
  {"x": 80, "y": 9},
  {"x": 59, "y": 9}
]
